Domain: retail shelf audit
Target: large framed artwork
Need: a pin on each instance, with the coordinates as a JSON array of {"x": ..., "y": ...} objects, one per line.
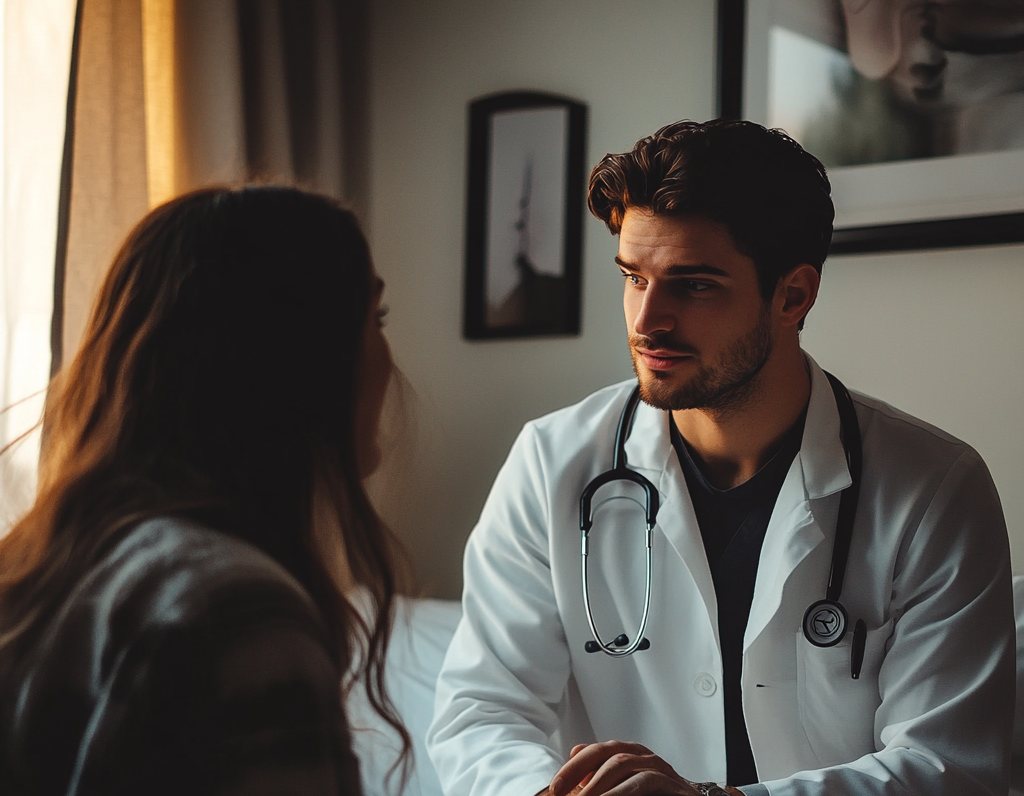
[
  {"x": 916, "y": 109},
  {"x": 524, "y": 216}
]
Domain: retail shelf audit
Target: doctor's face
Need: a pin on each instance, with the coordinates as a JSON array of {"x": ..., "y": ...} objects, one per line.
[{"x": 699, "y": 331}]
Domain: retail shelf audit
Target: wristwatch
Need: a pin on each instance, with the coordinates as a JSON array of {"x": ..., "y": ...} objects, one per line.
[{"x": 709, "y": 789}]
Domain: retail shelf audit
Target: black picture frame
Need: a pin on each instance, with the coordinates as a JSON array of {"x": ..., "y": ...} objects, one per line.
[
  {"x": 524, "y": 216},
  {"x": 952, "y": 231}
]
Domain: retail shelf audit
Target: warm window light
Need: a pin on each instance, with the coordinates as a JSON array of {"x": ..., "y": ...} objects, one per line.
[
  {"x": 35, "y": 57},
  {"x": 158, "y": 67}
]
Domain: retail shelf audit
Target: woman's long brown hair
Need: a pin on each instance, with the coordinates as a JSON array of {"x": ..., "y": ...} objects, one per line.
[{"x": 217, "y": 382}]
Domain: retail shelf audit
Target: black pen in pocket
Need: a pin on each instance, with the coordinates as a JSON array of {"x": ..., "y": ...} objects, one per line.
[{"x": 860, "y": 635}]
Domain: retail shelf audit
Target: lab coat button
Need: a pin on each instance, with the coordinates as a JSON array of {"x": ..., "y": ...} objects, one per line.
[{"x": 705, "y": 684}]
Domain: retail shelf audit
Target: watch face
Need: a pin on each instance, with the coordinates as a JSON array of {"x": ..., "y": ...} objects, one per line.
[{"x": 825, "y": 623}]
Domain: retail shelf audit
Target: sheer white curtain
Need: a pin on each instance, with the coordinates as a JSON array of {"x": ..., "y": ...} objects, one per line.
[{"x": 35, "y": 58}]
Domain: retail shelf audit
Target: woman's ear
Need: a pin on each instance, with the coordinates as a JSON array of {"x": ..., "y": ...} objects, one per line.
[{"x": 796, "y": 293}]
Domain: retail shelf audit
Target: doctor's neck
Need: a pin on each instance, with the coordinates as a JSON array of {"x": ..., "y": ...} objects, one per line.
[{"x": 737, "y": 437}]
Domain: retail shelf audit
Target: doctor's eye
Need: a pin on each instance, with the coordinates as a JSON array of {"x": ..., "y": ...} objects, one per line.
[
  {"x": 691, "y": 287},
  {"x": 633, "y": 279}
]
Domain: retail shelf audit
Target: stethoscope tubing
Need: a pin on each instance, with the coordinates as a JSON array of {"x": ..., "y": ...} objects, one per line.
[
  {"x": 638, "y": 639},
  {"x": 830, "y": 608},
  {"x": 849, "y": 434},
  {"x": 619, "y": 472}
]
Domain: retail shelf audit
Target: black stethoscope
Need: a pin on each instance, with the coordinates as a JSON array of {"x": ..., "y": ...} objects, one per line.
[{"x": 825, "y": 622}]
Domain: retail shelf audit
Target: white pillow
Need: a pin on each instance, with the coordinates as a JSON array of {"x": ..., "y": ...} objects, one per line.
[{"x": 419, "y": 641}]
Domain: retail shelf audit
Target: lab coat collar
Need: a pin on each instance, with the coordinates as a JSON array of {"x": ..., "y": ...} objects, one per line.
[
  {"x": 818, "y": 471},
  {"x": 796, "y": 527},
  {"x": 822, "y": 457}
]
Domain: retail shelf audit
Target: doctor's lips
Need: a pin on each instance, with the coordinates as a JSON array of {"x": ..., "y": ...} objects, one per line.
[{"x": 656, "y": 356}]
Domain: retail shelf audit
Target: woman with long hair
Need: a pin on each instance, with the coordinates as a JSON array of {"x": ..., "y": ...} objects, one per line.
[{"x": 175, "y": 611}]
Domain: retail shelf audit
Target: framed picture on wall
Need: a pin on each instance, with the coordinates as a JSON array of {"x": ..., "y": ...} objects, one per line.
[
  {"x": 916, "y": 110},
  {"x": 524, "y": 216}
]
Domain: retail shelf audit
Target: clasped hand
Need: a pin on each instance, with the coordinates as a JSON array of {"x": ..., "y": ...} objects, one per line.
[{"x": 617, "y": 768}]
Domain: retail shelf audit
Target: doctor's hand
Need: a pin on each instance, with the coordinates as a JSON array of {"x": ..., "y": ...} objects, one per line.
[{"x": 616, "y": 768}]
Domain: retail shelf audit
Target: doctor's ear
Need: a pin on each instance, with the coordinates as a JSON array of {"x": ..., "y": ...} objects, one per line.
[{"x": 796, "y": 293}]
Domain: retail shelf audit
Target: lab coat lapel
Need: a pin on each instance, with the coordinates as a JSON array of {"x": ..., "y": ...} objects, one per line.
[
  {"x": 797, "y": 526},
  {"x": 649, "y": 450}
]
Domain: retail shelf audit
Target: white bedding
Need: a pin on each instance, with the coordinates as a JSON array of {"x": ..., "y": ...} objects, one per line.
[{"x": 419, "y": 641}]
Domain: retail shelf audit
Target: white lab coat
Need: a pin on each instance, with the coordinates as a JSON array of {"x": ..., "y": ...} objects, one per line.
[{"x": 928, "y": 572}]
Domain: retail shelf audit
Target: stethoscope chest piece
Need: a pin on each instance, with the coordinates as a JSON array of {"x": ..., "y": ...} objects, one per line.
[{"x": 825, "y": 623}]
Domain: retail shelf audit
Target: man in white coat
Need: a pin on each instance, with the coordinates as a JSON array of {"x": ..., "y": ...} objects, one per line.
[{"x": 723, "y": 228}]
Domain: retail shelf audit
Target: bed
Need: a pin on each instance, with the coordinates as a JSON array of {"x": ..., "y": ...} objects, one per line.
[{"x": 419, "y": 640}]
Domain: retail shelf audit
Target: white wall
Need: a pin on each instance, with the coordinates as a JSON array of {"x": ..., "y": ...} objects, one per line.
[
  {"x": 939, "y": 334},
  {"x": 935, "y": 333}
]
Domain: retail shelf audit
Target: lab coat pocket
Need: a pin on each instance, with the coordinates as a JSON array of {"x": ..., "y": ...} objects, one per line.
[{"x": 838, "y": 712}]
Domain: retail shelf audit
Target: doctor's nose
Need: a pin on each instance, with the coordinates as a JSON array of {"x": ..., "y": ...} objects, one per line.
[{"x": 654, "y": 314}]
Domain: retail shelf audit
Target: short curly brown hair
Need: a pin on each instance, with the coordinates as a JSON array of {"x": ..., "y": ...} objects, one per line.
[{"x": 772, "y": 195}]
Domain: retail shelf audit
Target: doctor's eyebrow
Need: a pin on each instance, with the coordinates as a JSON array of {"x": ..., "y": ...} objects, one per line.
[{"x": 679, "y": 270}]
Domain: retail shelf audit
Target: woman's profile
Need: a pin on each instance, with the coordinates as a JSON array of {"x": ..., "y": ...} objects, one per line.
[{"x": 173, "y": 611}]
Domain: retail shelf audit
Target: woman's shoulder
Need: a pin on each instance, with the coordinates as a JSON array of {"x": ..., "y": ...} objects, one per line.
[
  {"x": 172, "y": 543},
  {"x": 173, "y": 583},
  {"x": 173, "y": 571},
  {"x": 192, "y": 554},
  {"x": 181, "y": 642}
]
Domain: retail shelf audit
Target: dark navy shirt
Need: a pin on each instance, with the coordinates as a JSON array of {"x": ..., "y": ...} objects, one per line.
[{"x": 732, "y": 524}]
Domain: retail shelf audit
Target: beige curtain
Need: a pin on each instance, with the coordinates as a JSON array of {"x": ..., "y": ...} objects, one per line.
[{"x": 176, "y": 94}]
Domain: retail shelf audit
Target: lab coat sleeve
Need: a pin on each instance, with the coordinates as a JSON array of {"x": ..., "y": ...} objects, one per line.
[
  {"x": 947, "y": 679},
  {"x": 507, "y": 668}
]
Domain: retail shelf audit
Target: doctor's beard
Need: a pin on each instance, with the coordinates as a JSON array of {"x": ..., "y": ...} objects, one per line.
[{"x": 721, "y": 386}]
